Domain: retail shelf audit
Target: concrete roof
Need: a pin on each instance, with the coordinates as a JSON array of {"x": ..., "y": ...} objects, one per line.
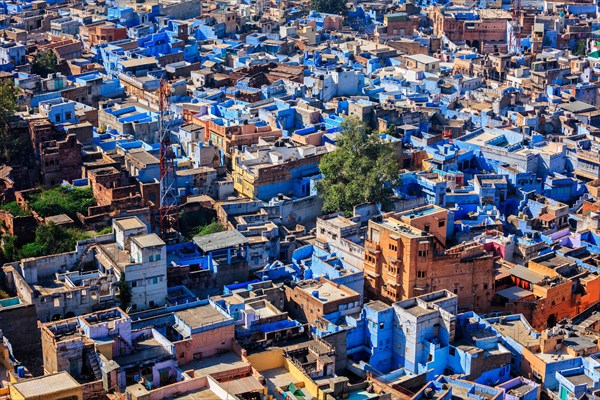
[
  {"x": 142, "y": 157},
  {"x": 422, "y": 58},
  {"x": 150, "y": 240},
  {"x": 220, "y": 240},
  {"x": 135, "y": 62},
  {"x": 129, "y": 223},
  {"x": 46, "y": 385},
  {"x": 200, "y": 316}
]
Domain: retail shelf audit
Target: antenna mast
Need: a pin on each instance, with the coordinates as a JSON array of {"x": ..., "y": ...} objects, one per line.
[{"x": 168, "y": 182}]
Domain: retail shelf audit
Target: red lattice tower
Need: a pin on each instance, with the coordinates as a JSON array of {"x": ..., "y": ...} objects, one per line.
[{"x": 168, "y": 184}]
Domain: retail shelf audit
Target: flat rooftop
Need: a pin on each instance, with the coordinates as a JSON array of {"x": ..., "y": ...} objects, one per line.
[
  {"x": 211, "y": 365},
  {"x": 417, "y": 310},
  {"x": 200, "y": 316},
  {"x": 377, "y": 305},
  {"x": 142, "y": 157},
  {"x": 262, "y": 309},
  {"x": 150, "y": 240},
  {"x": 517, "y": 330},
  {"x": 326, "y": 291},
  {"x": 129, "y": 223},
  {"x": 554, "y": 262},
  {"x": 47, "y": 385},
  {"x": 200, "y": 394},
  {"x": 581, "y": 379}
]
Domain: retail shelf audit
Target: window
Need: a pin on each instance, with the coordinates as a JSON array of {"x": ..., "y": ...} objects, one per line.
[
  {"x": 155, "y": 280},
  {"x": 455, "y": 290},
  {"x": 57, "y": 118},
  {"x": 68, "y": 116},
  {"x": 133, "y": 284},
  {"x": 452, "y": 351},
  {"x": 420, "y": 274},
  {"x": 393, "y": 247},
  {"x": 485, "y": 286},
  {"x": 441, "y": 223},
  {"x": 157, "y": 258},
  {"x": 151, "y": 258},
  {"x": 426, "y": 228}
]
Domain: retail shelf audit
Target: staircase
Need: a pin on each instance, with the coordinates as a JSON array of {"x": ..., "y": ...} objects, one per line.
[{"x": 94, "y": 364}]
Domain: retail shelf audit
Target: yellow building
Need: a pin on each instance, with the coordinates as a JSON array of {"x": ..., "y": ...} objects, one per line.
[{"x": 60, "y": 386}]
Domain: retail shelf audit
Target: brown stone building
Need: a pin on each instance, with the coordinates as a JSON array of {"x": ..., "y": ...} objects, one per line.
[
  {"x": 60, "y": 160},
  {"x": 100, "y": 32},
  {"x": 552, "y": 288},
  {"x": 59, "y": 155},
  {"x": 309, "y": 300},
  {"x": 405, "y": 256},
  {"x": 485, "y": 29},
  {"x": 228, "y": 136}
]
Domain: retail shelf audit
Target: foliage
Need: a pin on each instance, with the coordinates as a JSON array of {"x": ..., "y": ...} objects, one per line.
[
  {"x": 45, "y": 63},
  {"x": 15, "y": 209},
  {"x": 213, "y": 227},
  {"x": 9, "y": 247},
  {"x": 581, "y": 47},
  {"x": 192, "y": 222},
  {"x": 362, "y": 169},
  {"x": 61, "y": 200},
  {"x": 3, "y": 294},
  {"x": 124, "y": 292},
  {"x": 392, "y": 131},
  {"x": 52, "y": 239},
  {"x": 105, "y": 231},
  {"x": 11, "y": 145},
  {"x": 330, "y": 6}
]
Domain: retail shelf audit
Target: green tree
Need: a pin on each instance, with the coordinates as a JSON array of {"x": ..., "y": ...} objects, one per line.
[
  {"x": 44, "y": 63},
  {"x": 330, "y": 6},
  {"x": 124, "y": 292},
  {"x": 581, "y": 47},
  {"x": 213, "y": 227},
  {"x": 11, "y": 144},
  {"x": 362, "y": 169},
  {"x": 9, "y": 247},
  {"x": 52, "y": 239}
]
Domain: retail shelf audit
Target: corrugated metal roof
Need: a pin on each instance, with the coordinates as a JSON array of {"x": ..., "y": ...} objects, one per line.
[
  {"x": 220, "y": 240},
  {"x": 514, "y": 293},
  {"x": 527, "y": 274}
]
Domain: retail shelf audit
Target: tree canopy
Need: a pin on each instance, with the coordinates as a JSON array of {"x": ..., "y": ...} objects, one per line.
[
  {"x": 51, "y": 239},
  {"x": 10, "y": 144},
  {"x": 330, "y": 6},
  {"x": 44, "y": 63},
  {"x": 362, "y": 169},
  {"x": 124, "y": 293}
]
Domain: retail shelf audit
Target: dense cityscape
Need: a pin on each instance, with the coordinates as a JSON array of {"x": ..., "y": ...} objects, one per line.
[{"x": 299, "y": 199}]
